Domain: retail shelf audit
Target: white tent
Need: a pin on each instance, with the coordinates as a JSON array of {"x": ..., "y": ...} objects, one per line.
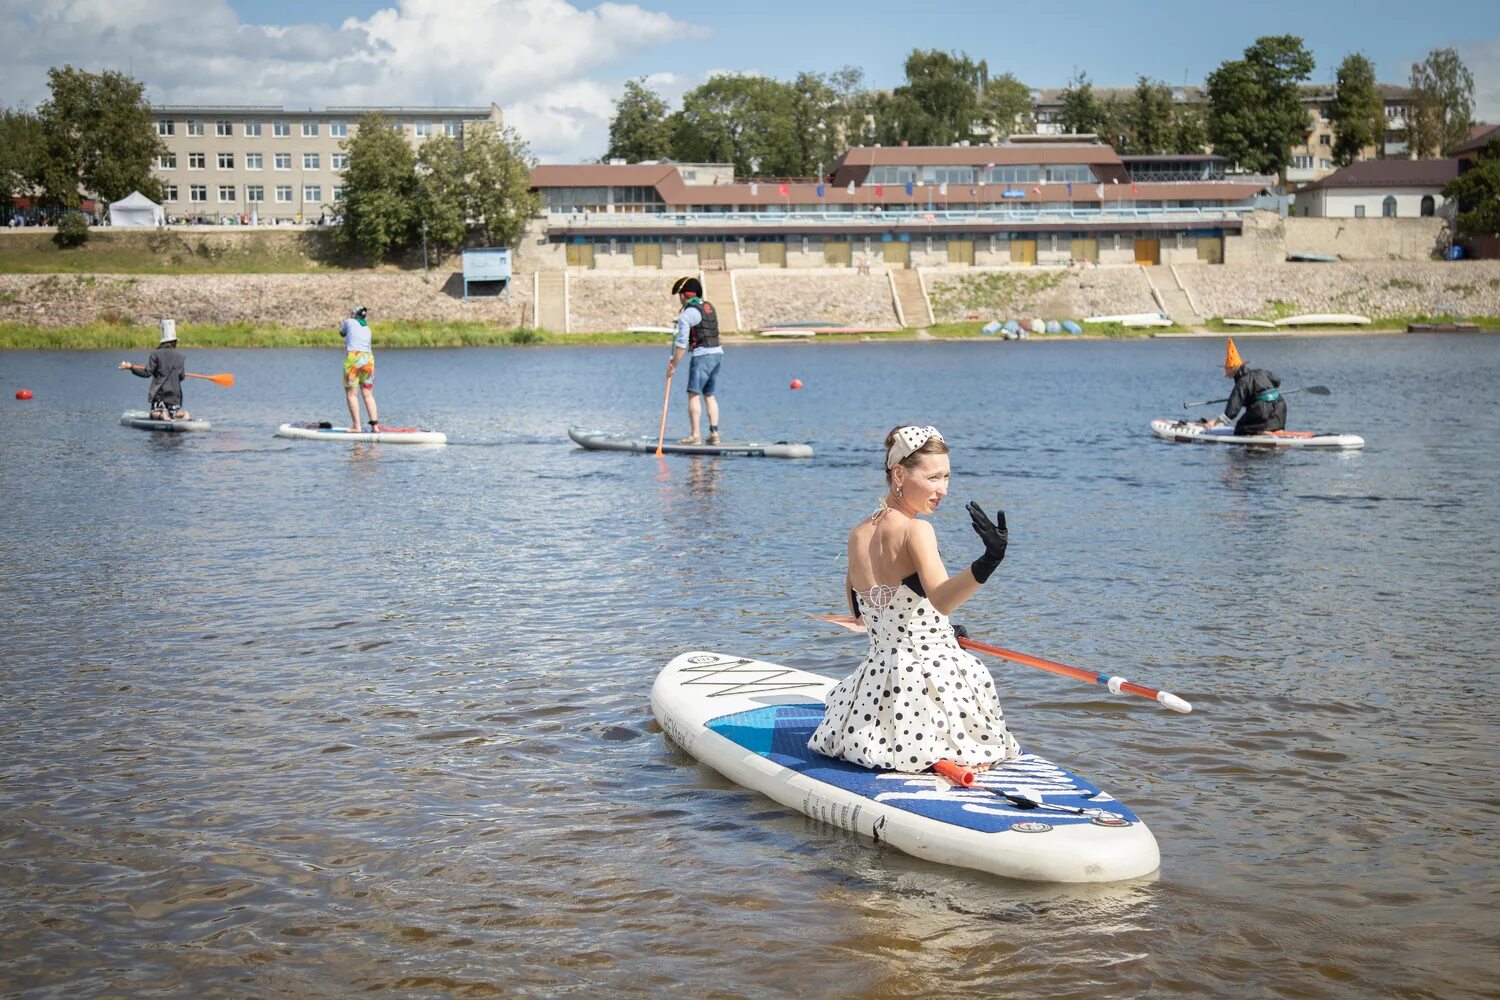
[{"x": 136, "y": 210}]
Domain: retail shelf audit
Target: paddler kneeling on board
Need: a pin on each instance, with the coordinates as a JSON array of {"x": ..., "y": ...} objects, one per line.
[
  {"x": 918, "y": 697},
  {"x": 166, "y": 368},
  {"x": 1257, "y": 392}
]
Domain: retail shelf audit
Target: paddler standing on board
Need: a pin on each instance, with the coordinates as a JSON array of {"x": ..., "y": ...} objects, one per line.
[
  {"x": 166, "y": 368},
  {"x": 1257, "y": 392},
  {"x": 698, "y": 337},
  {"x": 359, "y": 368}
]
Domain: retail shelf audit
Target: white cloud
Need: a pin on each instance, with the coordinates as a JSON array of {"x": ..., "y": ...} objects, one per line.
[
  {"x": 540, "y": 60},
  {"x": 1483, "y": 60}
]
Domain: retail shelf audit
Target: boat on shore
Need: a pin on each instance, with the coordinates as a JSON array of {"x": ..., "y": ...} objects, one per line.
[
  {"x": 1442, "y": 328},
  {"x": 1325, "y": 319}
]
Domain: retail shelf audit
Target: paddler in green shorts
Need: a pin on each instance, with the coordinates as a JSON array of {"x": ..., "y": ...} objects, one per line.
[{"x": 359, "y": 368}]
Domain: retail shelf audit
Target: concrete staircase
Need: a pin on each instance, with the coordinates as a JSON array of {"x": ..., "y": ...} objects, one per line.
[
  {"x": 552, "y": 301},
  {"x": 911, "y": 301},
  {"x": 718, "y": 288},
  {"x": 1172, "y": 297}
]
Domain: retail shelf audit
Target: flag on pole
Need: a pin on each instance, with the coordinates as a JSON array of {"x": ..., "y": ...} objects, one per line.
[
  {"x": 880, "y": 190},
  {"x": 943, "y": 189},
  {"x": 754, "y": 189},
  {"x": 1070, "y": 189},
  {"x": 908, "y": 189},
  {"x": 851, "y": 187},
  {"x": 1100, "y": 191},
  {"x": 973, "y": 192},
  {"x": 785, "y": 190},
  {"x": 822, "y": 190},
  {"x": 1134, "y": 189}
]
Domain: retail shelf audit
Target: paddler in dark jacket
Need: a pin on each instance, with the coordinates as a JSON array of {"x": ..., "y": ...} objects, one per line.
[
  {"x": 1257, "y": 392},
  {"x": 166, "y": 368}
]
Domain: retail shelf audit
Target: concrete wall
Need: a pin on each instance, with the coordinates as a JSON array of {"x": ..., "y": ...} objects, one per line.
[{"x": 1412, "y": 239}]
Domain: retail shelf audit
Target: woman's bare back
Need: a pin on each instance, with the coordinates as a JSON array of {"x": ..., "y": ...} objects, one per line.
[{"x": 878, "y": 552}]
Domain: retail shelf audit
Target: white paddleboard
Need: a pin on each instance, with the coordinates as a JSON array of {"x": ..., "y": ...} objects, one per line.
[
  {"x": 143, "y": 420},
  {"x": 751, "y": 721},
  {"x": 386, "y": 435},
  {"x": 601, "y": 441},
  {"x": 1184, "y": 431},
  {"x": 1325, "y": 319}
]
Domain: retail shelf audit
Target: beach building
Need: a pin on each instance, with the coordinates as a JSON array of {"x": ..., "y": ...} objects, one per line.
[
  {"x": 1031, "y": 200},
  {"x": 1480, "y": 136},
  {"x": 272, "y": 164},
  {"x": 1367, "y": 189}
]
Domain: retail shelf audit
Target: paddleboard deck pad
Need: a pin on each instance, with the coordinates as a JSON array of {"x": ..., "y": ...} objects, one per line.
[
  {"x": 1184, "y": 431},
  {"x": 325, "y": 431},
  {"x": 750, "y": 721},
  {"x": 143, "y": 420},
  {"x": 601, "y": 441}
]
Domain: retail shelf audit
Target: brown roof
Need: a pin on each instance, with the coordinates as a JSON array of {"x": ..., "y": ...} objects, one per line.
[
  {"x": 1479, "y": 137},
  {"x": 1389, "y": 173}
]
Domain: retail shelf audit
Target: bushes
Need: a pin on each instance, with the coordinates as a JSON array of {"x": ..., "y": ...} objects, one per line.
[{"x": 72, "y": 230}]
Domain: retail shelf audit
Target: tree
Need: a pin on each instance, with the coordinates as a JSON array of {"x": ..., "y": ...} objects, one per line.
[
  {"x": 1082, "y": 111},
  {"x": 1151, "y": 120},
  {"x": 1357, "y": 111},
  {"x": 1442, "y": 108},
  {"x": 22, "y": 142},
  {"x": 639, "y": 129},
  {"x": 498, "y": 166},
  {"x": 380, "y": 202},
  {"x": 1005, "y": 106},
  {"x": 1190, "y": 130},
  {"x": 442, "y": 193},
  {"x": 744, "y": 120},
  {"x": 1477, "y": 193},
  {"x": 946, "y": 87},
  {"x": 100, "y": 138},
  {"x": 1255, "y": 111}
]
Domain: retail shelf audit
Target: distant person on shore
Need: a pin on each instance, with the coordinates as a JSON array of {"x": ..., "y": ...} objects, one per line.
[
  {"x": 359, "y": 368},
  {"x": 698, "y": 337},
  {"x": 166, "y": 368},
  {"x": 1257, "y": 392}
]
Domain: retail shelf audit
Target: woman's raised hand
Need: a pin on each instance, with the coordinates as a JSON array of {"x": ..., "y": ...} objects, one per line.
[{"x": 993, "y": 535}]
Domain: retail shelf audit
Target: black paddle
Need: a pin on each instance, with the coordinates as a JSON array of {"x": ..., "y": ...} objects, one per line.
[{"x": 1316, "y": 390}]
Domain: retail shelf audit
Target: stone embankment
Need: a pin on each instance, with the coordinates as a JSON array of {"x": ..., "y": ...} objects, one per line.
[
  {"x": 1049, "y": 293},
  {"x": 1374, "y": 288}
]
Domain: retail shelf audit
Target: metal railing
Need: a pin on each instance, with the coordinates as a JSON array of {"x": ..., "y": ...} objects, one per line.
[{"x": 898, "y": 216}]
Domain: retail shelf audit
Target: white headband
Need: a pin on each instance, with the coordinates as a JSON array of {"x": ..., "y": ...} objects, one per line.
[{"x": 908, "y": 440}]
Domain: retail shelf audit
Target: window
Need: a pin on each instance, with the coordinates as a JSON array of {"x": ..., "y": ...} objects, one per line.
[
  {"x": 252, "y": 130},
  {"x": 223, "y": 128},
  {"x": 283, "y": 161},
  {"x": 252, "y": 161},
  {"x": 195, "y": 128},
  {"x": 1393, "y": 111},
  {"x": 1302, "y": 162},
  {"x": 226, "y": 161},
  {"x": 453, "y": 130},
  {"x": 281, "y": 129},
  {"x": 170, "y": 193},
  {"x": 338, "y": 193},
  {"x": 338, "y": 161},
  {"x": 1325, "y": 164},
  {"x": 166, "y": 161},
  {"x": 312, "y": 193},
  {"x": 1325, "y": 139},
  {"x": 1428, "y": 206},
  {"x": 255, "y": 193},
  {"x": 309, "y": 161},
  {"x": 1359, "y": 211},
  {"x": 196, "y": 161},
  {"x": 1388, "y": 207},
  {"x": 164, "y": 127},
  {"x": 422, "y": 129},
  {"x": 198, "y": 192},
  {"x": 284, "y": 192},
  {"x": 338, "y": 129},
  {"x": 397, "y": 127},
  {"x": 226, "y": 193},
  {"x": 309, "y": 130}
]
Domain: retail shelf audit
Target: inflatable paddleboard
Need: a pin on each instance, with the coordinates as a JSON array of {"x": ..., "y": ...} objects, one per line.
[
  {"x": 751, "y": 721},
  {"x": 144, "y": 420},
  {"x": 1325, "y": 319},
  {"x": 386, "y": 435},
  {"x": 600, "y": 441},
  {"x": 1183, "y": 431}
]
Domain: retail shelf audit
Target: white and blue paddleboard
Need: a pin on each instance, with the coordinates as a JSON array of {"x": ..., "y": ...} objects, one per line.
[
  {"x": 325, "y": 431},
  {"x": 750, "y": 721},
  {"x": 143, "y": 420},
  {"x": 1182, "y": 431}
]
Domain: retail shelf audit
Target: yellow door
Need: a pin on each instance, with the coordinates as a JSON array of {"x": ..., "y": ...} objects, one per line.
[
  {"x": 1085, "y": 248},
  {"x": 580, "y": 255},
  {"x": 1211, "y": 249},
  {"x": 1023, "y": 252},
  {"x": 837, "y": 254},
  {"x": 772, "y": 254},
  {"x": 1147, "y": 251},
  {"x": 897, "y": 254},
  {"x": 961, "y": 253},
  {"x": 647, "y": 254},
  {"x": 711, "y": 256}
]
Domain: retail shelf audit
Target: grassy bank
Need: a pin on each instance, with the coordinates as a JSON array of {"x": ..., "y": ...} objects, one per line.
[
  {"x": 1387, "y": 323},
  {"x": 171, "y": 251},
  {"x": 101, "y": 336}
]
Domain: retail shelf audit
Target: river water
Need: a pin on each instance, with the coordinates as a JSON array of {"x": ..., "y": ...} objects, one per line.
[{"x": 286, "y": 718}]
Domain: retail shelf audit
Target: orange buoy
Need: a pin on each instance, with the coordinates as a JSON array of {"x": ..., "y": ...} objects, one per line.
[
  {"x": 796, "y": 383},
  {"x": 23, "y": 393}
]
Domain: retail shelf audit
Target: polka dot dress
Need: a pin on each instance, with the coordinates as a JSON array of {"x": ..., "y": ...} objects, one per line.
[{"x": 917, "y": 698}]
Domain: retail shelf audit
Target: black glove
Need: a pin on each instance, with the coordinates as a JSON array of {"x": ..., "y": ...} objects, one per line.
[{"x": 994, "y": 537}]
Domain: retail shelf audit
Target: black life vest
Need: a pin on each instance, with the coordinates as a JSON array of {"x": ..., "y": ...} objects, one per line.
[{"x": 706, "y": 333}]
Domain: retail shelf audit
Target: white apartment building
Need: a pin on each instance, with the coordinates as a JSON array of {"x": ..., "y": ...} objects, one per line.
[{"x": 261, "y": 164}]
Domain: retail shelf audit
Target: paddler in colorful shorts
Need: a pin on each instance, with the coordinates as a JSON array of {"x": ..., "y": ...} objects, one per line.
[
  {"x": 1257, "y": 392},
  {"x": 359, "y": 368}
]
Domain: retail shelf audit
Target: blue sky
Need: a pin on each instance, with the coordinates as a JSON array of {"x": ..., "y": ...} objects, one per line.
[{"x": 556, "y": 66}]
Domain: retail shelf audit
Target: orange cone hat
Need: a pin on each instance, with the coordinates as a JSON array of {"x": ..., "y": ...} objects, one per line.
[{"x": 1232, "y": 359}]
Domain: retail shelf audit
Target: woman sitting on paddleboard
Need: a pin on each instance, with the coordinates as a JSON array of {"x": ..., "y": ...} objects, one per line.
[{"x": 917, "y": 698}]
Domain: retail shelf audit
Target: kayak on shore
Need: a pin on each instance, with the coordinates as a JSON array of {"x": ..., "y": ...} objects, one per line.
[
  {"x": 1028, "y": 818},
  {"x": 1182, "y": 431},
  {"x": 325, "y": 431},
  {"x": 602, "y": 441}
]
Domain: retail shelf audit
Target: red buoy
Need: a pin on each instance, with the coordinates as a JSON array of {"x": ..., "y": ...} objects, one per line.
[
  {"x": 23, "y": 393},
  {"x": 796, "y": 383}
]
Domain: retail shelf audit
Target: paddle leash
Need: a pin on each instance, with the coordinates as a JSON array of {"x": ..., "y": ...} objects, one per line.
[
  {"x": 1116, "y": 685},
  {"x": 1316, "y": 390},
  {"x": 666, "y": 398}
]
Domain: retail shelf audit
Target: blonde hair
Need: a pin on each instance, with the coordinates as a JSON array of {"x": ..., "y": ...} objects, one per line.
[{"x": 932, "y": 446}]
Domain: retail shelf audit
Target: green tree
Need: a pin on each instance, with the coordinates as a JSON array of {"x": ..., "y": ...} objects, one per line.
[
  {"x": 1082, "y": 111},
  {"x": 1005, "y": 107},
  {"x": 380, "y": 202},
  {"x": 850, "y": 118},
  {"x": 1151, "y": 120},
  {"x": 442, "y": 194},
  {"x": 1477, "y": 194},
  {"x": 744, "y": 120},
  {"x": 22, "y": 142},
  {"x": 1190, "y": 130},
  {"x": 640, "y": 129},
  {"x": 946, "y": 87},
  {"x": 1442, "y": 107},
  {"x": 1357, "y": 111},
  {"x": 1255, "y": 111},
  {"x": 100, "y": 137},
  {"x": 501, "y": 200}
]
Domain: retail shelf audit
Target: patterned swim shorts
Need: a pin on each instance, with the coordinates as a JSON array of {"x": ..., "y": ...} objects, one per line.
[{"x": 359, "y": 369}]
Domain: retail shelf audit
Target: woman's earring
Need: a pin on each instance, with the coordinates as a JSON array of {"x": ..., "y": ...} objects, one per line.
[{"x": 898, "y": 489}]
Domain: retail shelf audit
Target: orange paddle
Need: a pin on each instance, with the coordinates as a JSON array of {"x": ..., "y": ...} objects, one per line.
[{"x": 223, "y": 378}]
